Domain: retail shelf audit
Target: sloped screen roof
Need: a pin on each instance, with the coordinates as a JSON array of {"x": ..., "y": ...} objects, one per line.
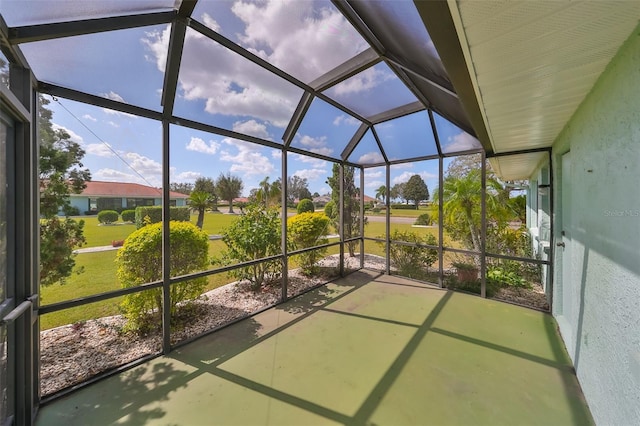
[{"x": 308, "y": 74}]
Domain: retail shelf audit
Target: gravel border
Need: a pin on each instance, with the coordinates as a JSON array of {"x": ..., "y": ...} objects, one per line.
[{"x": 74, "y": 353}]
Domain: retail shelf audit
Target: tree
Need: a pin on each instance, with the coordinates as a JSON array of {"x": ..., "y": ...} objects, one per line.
[
  {"x": 416, "y": 190},
  {"x": 200, "y": 201},
  {"x": 351, "y": 208},
  {"x": 229, "y": 187},
  {"x": 381, "y": 193},
  {"x": 268, "y": 194},
  {"x": 397, "y": 191},
  {"x": 181, "y": 187},
  {"x": 461, "y": 207},
  {"x": 297, "y": 188},
  {"x": 208, "y": 185},
  {"x": 61, "y": 174}
]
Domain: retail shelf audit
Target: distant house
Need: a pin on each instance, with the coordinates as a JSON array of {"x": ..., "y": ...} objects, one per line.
[{"x": 120, "y": 196}]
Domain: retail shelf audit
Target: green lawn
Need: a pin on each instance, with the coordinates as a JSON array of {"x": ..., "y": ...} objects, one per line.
[
  {"x": 404, "y": 213},
  {"x": 102, "y": 235}
]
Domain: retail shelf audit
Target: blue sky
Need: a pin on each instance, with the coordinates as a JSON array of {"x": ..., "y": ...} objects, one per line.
[{"x": 223, "y": 89}]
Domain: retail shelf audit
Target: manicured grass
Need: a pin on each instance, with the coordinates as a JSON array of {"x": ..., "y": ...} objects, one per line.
[
  {"x": 102, "y": 235},
  {"x": 403, "y": 212}
]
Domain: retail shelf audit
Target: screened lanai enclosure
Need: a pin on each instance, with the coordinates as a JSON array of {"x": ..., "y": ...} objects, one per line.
[{"x": 245, "y": 109}]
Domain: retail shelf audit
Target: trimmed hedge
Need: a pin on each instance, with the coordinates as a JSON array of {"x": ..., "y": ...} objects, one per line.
[
  {"x": 424, "y": 219},
  {"x": 308, "y": 230},
  {"x": 128, "y": 215},
  {"x": 108, "y": 216},
  {"x": 403, "y": 206},
  {"x": 139, "y": 261},
  {"x": 305, "y": 206},
  {"x": 154, "y": 213}
]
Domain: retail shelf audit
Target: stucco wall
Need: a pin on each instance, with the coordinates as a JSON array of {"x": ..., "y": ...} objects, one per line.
[{"x": 601, "y": 322}]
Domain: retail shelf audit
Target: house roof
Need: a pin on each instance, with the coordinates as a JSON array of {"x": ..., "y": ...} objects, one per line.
[{"x": 124, "y": 189}]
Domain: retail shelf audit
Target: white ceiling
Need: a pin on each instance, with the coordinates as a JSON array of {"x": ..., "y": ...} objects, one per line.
[{"x": 533, "y": 62}]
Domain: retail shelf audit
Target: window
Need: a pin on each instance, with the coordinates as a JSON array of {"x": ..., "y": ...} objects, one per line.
[{"x": 109, "y": 204}]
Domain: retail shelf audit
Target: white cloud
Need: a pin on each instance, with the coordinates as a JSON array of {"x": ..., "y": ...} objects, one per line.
[
  {"x": 366, "y": 80},
  {"x": 247, "y": 160},
  {"x": 252, "y": 128},
  {"x": 402, "y": 166},
  {"x": 346, "y": 119},
  {"x": 373, "y": 184},
  {"x": 112, "y": 175},
  {"x": 158, "y": 43},
  {"x": 463, "y": 141},
  {"x": 276, "y": 154},
  {"x": 73, "y": 136},
  {"x": 199, "y": 145},
  {"x": 311, "y": 174},
  {"x": 371, "y": 157},
  {"x": 89, "y": 117},
  {"x": 142, "y": 164},
  {"x": 314, "y": 163},
  {"x": 113, "y": 124},
  {"x": 240, "y": 88},
  {"x": 285, "y": 31},
  {"x": 210, "y": 22},
  {"x": 311, "y": 142},
  {"x": 187, "y": 176},
  {"x": 322, "y": 151},
  {"x": 115, "y": 97},
  {"x": 404, "y": 177},
  {"x": 99, "y": 149},
  {"x": 315, "y": 145},
  {"x": 369, "y": 174}
]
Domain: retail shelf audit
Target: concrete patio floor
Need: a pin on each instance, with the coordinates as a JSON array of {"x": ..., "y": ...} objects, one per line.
[{"x": 368, "y": 349}]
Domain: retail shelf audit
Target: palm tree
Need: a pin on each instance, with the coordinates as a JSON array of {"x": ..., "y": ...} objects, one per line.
[
  {"x": 268, "y": 193},
  {"x": 199, "y": 201},
  {"x": 461, "y": 206},
  {"x": 229, "y": 187},
  {"x": 381, "y": 193}
]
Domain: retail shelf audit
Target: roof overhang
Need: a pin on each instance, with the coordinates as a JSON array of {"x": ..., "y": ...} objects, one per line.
[{"x": 521, "y": 69}]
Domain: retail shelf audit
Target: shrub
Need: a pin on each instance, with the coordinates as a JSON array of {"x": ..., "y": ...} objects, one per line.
[
  {"x": 154, "y": 213},
  {"x": 412, "y": 261},
  {"x": 59, "y": 236},
  {"x": 128, "y": 215},
  {"x": 502, "y": 277},
  {"x": 403, "y": 206},
  {"x": 424, "y": 219},
  {"x": 254, "y": 235},
  {"x": 139, "y": 261},
  {"x": 72, "y": 211},
  {"x": 308, "y": 230},
  {"x": 331, "y": 209},
  {"x": 376, "y": 210},
  {"x": 108, "y": 216},
  {"x": 305, "y": 205}
]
